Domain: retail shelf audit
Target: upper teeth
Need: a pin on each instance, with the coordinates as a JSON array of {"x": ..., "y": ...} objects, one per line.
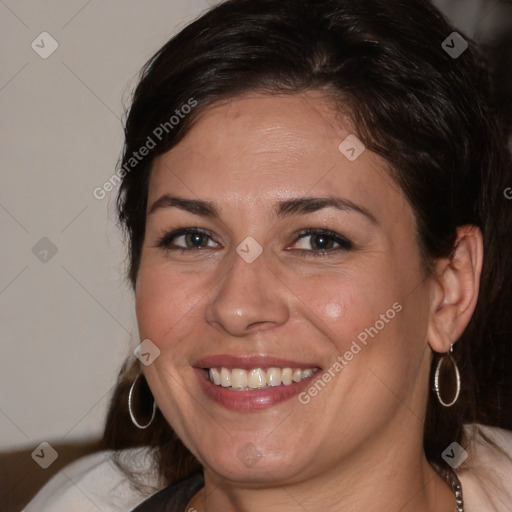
[{"x": 257, "y": 378}]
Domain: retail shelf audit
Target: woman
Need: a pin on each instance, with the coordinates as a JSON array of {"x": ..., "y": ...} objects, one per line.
[{"x": 312, "y": 193}]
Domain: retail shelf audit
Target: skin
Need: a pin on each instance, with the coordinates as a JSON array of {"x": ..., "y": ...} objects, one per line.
[{"x": 357, "y": 445}]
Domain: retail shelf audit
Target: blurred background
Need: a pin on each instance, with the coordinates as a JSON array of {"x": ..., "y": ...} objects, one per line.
[{"x": 67, "y": 315}]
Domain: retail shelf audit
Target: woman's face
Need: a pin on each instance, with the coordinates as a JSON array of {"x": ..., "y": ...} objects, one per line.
[{"x": 263, "y": 302}]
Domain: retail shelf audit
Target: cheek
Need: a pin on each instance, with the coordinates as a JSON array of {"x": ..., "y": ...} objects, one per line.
[
  {"x": 343, "y": 304},
  {"x": 333, "y": 310},
  {"x": 365, "y": 314},
  {"x": 163, "y": 302}
]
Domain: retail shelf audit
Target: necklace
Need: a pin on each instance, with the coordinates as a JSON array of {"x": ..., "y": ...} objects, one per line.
[{"x": 454, "y": 482}]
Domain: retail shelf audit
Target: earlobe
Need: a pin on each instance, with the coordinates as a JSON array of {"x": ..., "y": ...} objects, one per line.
[{"x": 455, "y": 289}]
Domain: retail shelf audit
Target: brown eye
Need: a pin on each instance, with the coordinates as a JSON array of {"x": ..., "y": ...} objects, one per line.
[
  {"x": 195, "y": 239},
  {"x": 322, "y": 242},
  {"x": 187, "y": 239}
]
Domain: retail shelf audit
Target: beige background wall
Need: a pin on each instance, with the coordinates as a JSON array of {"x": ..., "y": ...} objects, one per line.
[
  {"x": 66, "y": 323},
  {"x": 67, "y": 318}
]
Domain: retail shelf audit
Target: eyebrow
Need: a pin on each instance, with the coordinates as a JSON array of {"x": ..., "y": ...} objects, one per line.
[{"x": 285, "y": 208}]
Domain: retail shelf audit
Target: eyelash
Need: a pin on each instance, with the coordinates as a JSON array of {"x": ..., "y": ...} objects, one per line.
[{"x": 344, "y": 243}]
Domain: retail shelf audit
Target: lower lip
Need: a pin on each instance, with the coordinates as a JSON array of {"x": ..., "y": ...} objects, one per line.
[{"x": 251, "y": 400}]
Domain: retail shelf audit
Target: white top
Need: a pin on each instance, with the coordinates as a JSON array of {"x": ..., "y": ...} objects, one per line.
[{"x": 95, "y": 483}]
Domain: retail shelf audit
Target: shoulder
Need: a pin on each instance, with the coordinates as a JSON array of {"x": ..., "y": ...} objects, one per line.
[
  {"x": 95, "y": 483},
  {"x": 486, "y": 475}
]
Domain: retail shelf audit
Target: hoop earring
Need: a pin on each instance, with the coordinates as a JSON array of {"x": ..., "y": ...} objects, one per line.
[
  {"x": 132, "y": 416},
  {"x": 447, "y": 357}
]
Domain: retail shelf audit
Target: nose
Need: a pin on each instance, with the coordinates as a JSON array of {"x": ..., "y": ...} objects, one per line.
[{"x": 249, "y": 298}]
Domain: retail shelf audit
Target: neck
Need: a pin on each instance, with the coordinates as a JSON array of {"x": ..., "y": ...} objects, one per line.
[{"x": 390, "y": 481}]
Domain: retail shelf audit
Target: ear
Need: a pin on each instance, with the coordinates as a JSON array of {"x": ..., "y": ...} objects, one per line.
[{"x": 455, "y": 289}]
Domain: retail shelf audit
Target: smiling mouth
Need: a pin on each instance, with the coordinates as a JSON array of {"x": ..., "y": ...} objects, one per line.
[{"x": 239, "y": 379}]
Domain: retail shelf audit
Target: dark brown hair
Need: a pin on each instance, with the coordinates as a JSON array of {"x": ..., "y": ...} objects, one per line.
[{"x": 428, "y": 114}]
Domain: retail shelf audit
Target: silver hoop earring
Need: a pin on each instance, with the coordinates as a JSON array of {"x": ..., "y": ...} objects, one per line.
[
  {"x": 132, "y": 416},
  {"x": 438, "y": 377}
]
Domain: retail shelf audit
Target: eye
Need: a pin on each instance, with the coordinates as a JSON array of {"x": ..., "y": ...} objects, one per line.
[
  {"x": 311, "y": 242},
  {"x": 320, "y": 242},
  {"x": 187, "y": 239}
]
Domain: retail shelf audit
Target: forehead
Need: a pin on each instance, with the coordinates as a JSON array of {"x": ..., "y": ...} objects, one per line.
[{"x": 258, "y": 148}]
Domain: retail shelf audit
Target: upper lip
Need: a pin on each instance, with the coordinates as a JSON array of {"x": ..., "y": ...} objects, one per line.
[{"x": 247, "y": 362}]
